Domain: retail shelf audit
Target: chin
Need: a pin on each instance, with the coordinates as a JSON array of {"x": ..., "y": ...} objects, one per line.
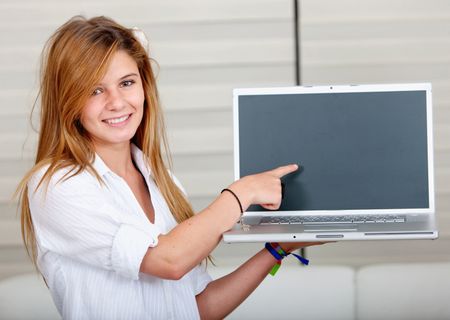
[{"x": 116, "y": 140}]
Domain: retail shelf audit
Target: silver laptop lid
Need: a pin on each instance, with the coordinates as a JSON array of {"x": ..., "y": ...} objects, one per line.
[{"x": 363, "y": 149}]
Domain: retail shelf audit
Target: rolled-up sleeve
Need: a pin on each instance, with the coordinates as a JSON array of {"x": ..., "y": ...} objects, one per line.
[
  {"x": 129, "y": 247},
  {"x": 74, "y": 218},
  {"x": 201, "y": 278}
]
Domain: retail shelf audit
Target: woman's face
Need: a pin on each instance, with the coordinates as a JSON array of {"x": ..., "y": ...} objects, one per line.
[{"x": 114, "y": 110}]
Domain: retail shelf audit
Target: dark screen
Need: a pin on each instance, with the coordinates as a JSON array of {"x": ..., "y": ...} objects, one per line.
[{"x": 356, "y": 150}]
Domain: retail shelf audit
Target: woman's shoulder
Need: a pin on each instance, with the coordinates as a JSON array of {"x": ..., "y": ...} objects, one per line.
[{"x": 62, "y": 178}]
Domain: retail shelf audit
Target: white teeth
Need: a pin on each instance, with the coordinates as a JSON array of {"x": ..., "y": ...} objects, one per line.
[{"x": 117, "y": 120}]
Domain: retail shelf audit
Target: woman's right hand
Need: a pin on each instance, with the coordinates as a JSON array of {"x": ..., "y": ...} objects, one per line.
[{"x": 263, "y": 188}]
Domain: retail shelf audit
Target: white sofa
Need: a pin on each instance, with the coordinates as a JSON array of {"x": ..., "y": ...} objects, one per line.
[{"x": 385, "y": 291}]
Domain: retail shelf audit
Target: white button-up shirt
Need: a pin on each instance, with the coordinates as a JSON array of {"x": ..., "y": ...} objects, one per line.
[{"x": 91, "y": 240}]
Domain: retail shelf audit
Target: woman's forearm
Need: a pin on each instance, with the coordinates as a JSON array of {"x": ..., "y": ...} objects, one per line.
[{"x": 223, "y": 295}]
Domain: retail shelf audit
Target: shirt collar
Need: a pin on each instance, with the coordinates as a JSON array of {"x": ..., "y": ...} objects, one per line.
[
  {"x": 137, "y": 155},
  {"x": 140, "y": 160},
  {"x": 100, "y": 166}
]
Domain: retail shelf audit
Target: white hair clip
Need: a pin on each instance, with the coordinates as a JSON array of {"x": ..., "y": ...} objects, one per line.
[{"x": 140, "y": 36}]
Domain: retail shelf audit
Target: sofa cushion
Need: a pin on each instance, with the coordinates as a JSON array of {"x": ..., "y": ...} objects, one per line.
[
  {"x": 403, "y": 291},
  {"x": 296, "y": 292}
]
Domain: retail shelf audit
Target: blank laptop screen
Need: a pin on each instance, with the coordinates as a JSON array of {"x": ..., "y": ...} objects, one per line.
[{"x": 365, "y": 150}]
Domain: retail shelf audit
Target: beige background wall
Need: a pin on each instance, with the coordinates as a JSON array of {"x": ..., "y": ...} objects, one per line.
[{"x": 206, "y": 48}]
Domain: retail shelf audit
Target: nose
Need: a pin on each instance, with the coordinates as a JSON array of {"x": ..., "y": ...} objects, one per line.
[{"x": 114, "y": 100}]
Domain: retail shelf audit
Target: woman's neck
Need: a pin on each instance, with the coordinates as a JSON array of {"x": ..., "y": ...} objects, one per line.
[{"x": 117, "y": 158}]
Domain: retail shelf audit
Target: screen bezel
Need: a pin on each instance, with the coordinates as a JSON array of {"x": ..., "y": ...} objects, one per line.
[{"x": 341, "y": 89}]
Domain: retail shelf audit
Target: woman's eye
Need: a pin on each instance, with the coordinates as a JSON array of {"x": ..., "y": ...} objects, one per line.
[
  {"x": 97, "y": 91},
  {"x": 127, "y": 83}
]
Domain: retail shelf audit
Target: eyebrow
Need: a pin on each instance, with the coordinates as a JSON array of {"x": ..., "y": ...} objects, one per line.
[{"x": 128, "y": 75}]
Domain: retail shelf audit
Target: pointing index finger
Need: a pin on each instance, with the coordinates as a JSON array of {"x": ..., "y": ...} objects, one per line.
[{"x": 284, "y": 170}]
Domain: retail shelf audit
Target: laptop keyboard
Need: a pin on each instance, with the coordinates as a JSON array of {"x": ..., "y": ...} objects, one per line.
[{"x": 332, "y": 219}]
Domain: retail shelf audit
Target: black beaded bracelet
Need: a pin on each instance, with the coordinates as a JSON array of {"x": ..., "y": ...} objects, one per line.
[{"x": 239, "y": 202}]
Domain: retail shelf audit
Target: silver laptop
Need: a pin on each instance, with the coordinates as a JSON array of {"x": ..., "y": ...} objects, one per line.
[{"x": 366, "y": 157}]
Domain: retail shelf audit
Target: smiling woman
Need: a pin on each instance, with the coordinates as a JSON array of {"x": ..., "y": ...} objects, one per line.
[
  {"x": 114, "y": 111},
  {"x": 103, "y": 218}
]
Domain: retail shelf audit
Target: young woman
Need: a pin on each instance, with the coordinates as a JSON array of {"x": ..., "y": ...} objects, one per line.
[{"x": 106, "y": 223}]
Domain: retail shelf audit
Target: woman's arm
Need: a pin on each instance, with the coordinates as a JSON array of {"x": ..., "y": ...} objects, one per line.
[
  {"x": 223, "y": 295},
  {"x": 194, "y": 239}
]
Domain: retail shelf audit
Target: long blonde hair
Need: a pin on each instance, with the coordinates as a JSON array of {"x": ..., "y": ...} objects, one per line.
[{"x": 74, "y": 59}]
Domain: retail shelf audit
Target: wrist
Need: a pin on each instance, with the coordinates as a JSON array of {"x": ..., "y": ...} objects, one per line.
[
  {"x": 243, "y": 192},
  {"x": 279, "y": 254},
  {"x": 241, "y": 210}
]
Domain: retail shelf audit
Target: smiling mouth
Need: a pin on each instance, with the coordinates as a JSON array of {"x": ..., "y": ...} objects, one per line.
[{"x": 117, "y": 120}]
